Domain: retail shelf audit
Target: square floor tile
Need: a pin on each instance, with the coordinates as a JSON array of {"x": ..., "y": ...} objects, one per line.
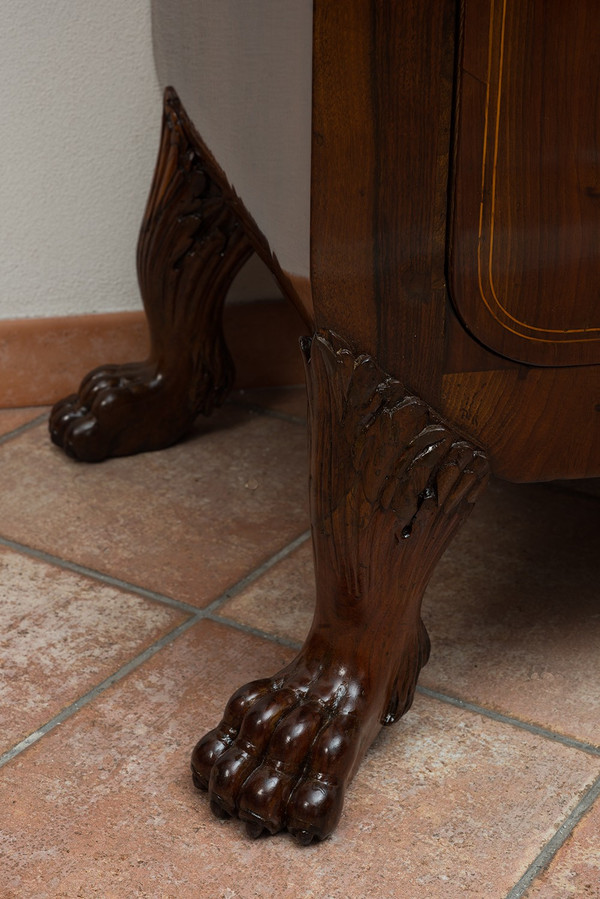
[
  {"x": 281, "y": 602},
  {"x": 575, "y": 871},
  {"x": 60, "y": 635},
  {"x": 513, "y": 609},
  {"x": 188, "y": 522},
  {"x": 447, "y": 804}
]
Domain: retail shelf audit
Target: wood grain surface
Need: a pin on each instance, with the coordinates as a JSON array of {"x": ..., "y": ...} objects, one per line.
[
  {"x": 382, "y": 92},
  {"x": 525, "y": 255}
]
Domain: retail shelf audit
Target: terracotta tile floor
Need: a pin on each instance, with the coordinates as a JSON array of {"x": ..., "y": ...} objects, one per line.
[{"x": 136, "y": 595}]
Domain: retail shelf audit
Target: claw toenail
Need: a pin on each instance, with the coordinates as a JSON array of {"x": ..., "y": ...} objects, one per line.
[
  {"x": 218, "y": 810},
  {"x": 200, "y": 783},
  {"x": 304, "y": 837},
  {"x": 254, "y": 829}
]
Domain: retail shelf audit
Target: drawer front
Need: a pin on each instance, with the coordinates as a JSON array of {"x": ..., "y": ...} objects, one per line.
[{"x": 525, "y": 237}]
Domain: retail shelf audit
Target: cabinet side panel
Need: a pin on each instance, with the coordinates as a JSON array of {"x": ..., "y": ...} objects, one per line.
[
  {"x": 535, "y": 424},
  {"x": 381, "y": 116}
]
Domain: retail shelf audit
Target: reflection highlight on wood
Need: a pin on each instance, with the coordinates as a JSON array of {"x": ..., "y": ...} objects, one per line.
[
  {"x": 191, "y": 247},
  {"x": 526, "y": 258},
  {"x": 390, "y": 483}
]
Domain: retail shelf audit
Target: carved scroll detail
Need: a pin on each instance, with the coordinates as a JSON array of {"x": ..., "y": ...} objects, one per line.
[
  {"x": 390, "y": 484},
  {"x": 191, "y": 246}
]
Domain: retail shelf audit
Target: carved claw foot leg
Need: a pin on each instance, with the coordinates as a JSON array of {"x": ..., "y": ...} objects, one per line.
[
  {"x": 190, "y": 248},
  {"x": 390, "y": 484}
]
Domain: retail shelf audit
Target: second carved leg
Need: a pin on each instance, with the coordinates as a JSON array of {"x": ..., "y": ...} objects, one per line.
[
  {"x": 190, "y": 248},
  {"x": 390, "y": 483}
]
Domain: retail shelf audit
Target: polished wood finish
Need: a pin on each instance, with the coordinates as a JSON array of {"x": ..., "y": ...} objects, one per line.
[
  {"x": 389, "y": 485},
  {"x": 525, "y": 252},
  {"x": 383, "y": 176},
  {"x": 382, "y": 88},
  {"x": 190, "y": 248},
  {"x": 535, "y": 424},
  {"x": 393, "y": 469}
]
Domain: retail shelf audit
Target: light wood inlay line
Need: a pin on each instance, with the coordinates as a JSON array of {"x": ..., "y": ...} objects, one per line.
[{"x": 495, "y": 306}]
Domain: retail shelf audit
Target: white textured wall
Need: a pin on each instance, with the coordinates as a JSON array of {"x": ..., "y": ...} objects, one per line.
[
  {"x": 79, "y": 129},
  {"x": 79, "y": 125},
  {"x": 243, "y": 72}
]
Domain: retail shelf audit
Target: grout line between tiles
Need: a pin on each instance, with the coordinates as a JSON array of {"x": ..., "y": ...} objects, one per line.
[
  {"x": 256, "y": 573},
  {"x": 254, "y": 631},
  {"x": 107, "y": 579},
  {"x": 96, "y": 691},
  {"x": 554, "y": 843},
  {"x": 196, "y": 615},
  {"x": 536, "y": 729},
  {"x": 162, "y": 598},
  {"x": 23, "y": 428}
]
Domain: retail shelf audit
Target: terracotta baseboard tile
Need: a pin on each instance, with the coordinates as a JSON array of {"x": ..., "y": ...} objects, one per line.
[{"x": 43, "y": 359}]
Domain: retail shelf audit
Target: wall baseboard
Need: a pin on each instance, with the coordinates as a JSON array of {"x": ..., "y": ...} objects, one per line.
[{"x": 44, "y": 359}]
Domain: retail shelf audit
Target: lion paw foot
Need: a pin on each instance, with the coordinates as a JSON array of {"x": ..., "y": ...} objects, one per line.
[
  {"x": 284, "y": 753},
  {"x": 119, "y": 410}
]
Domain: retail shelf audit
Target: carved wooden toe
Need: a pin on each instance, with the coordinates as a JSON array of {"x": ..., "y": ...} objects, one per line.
[
  {"x": 191, "y": 247},
  {"x": 390, "y": 483}
]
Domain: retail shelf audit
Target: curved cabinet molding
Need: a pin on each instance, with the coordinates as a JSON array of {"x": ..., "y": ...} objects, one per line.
[{"x": 525, "y": 246}]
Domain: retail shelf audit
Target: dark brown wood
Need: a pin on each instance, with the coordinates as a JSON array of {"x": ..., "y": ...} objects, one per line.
[
  {"x": 536, "y": 424},
  {"x": 190, "y": 248},
  {"x": 390, "y": 479},
  {"x": 389, "y": 484},
  {"x": 525, "y": 255},
  {"x": 381, "y": 151},
  {"x": 382, "y": 90}
]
